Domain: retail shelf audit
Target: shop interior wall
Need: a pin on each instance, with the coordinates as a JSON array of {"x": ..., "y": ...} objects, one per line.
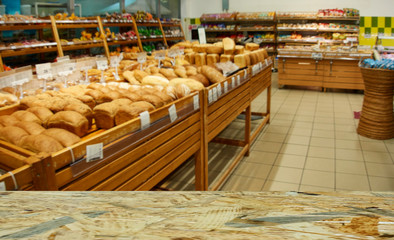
[{"x": 194, "y": 8}]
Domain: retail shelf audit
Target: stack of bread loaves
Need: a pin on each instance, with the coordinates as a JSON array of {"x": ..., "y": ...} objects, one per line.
[{"x": 224, "y": 51}]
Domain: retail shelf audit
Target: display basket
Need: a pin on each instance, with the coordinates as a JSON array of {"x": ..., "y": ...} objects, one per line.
[{"x": 377, "y": 120}]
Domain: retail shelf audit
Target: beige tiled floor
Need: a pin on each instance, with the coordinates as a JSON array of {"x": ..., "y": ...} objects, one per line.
[{"x": 311, "y": 144}]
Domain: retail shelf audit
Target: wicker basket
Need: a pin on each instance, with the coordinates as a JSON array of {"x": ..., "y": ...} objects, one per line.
[{"x": 377, "y": 119}]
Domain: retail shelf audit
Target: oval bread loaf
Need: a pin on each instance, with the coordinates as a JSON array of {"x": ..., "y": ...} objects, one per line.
[{"x": 213, "y": 75}]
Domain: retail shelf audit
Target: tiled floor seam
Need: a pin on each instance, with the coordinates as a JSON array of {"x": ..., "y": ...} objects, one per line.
[
  {"x": 273, "y": 164},
  {"x": 306, "y": 156}
]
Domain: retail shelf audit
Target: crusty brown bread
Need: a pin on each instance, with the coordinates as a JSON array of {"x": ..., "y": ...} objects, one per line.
[
  {"x": 31, "y": 128},
  {"x": 12, "y": 134},
  {"x": 104, "y": 115},
  {"x": 71, "y": 121},
  {"x": 64, "y": 137},
  {"x": 40, "y": 143}
]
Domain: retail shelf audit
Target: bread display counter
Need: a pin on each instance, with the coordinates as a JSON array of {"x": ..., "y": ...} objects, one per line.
[
  {"x": 172, "y": 137},
  {"x": 325, "y": 69}
]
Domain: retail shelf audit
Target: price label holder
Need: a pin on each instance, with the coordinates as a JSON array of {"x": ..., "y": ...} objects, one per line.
[
  {"x": 44, "y": 71},
  {"x": 317, "y": 56},
  {"x": 7, "y": 78},
  {"x": 63, "y": 59},
  {"x": 102, "y": 65},
  {"x": 145, "y": 120},
  {"x": 141, "y": 58},
  {"x": 219, "y": 90},
  {"x": 172, "y": 53},
  {"x": 214, "y": 94},
  {"x": 94, "y": 152},
  {"x": 196, "y": 101},
  {"x": 172, "y": 113},
  {"x": 160, "y": 55},
  {"x": 86, "y": 69},
  {"x": 225, "y": 86},
  {"x": 2, "y": 186},
  {"x": 210, "y": 96}
]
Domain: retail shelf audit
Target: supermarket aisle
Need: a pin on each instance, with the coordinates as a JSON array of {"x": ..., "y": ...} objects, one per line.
[{"x": 312, "y": 145}]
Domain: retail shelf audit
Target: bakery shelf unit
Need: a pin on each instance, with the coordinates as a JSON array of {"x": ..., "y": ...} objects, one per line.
[
  {"x": 173, "y": 31},
  {"x": 126, "y": 32},
  {"x": 308, "y": 28},
  {"x": 259, "y": 27},
  {"x": 87, "y": 40},
  {"x": 219, "y": 26},
  {"x": 11, "y": 47},
  {"x": 150, "y": 35}
]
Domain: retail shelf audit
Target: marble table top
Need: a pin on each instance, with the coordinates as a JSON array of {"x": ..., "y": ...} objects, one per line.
[{"x": 196, "y": 215}]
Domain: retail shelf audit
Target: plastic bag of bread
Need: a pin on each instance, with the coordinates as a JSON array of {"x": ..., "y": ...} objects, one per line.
[
  {"x": 70, "y": 121},
  {"x": 8, "y": 120},
  {"x": 139, "y": 75},
  {"x": 213, "y": 75},
  {"x": 193, "y": 84},
  {"x": 31, "y": 128},
  {"x": 169, "y": 73},
  {"x": 182, "y": 90},
  {"x": 201, "y": 78},
  {"x": 126, "y": 113},
  {"x": 252, "y": 46},
  {"x": 181, "y": 72},
  {"x": 165, "y": 98},
  {"x": 239, "y": 49},
  {"x": 7, "y": 99},
  {"x": 40, "y": 143},
  {"x": 129, "y": 76},
  {"x": 154, "y": 80},
  {"x": 170, "y": 91},
  {"x": 12, "y": 134},
  {"x": 156, "y": 101},
  {"x": 212, "y": 49},
  {"x": 228, "y": 46},
  {"x": 42, "y": 113},
  {"x": 26, "y": 116},
  {"x": 104, "y": 115},
  {"x": 64, "y": 137}
]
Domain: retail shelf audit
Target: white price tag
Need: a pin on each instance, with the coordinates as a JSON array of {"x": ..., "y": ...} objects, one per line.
[
  {"x": 2, "y": 186},
  {"x": 141, "y": 57},
  {"x": 219, "y": 89},
  {"x": 94, "y": 152},
  {"x": 172, "y": 112},
  {"x": 233, "y": 82},
  {"x": 266, "y": 62},
  {"x": 63, "y": 59},
  {"x": 7, "y": 81},
  {"x": 117, "y": 78},
  {"x": 210, "y": 96},
  {"x": 145, "y": 120},
  {"x": 245, "y": 74},
  {"x": 102, "y": 64},
  {"x": 238, "y": 80},
  {"x": 44, "y": 71},
  {"x": 215, "y": 94},
  {"x": 196, "y": 102},
  {"x": 225, "y": 86}
]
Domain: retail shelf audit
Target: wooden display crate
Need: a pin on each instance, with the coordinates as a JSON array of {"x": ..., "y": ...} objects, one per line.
[
  {"x": 260, "y": 82},
  {"x": 300, "y": 72},
  {"x": 344, "y": 74},
  {"x": 133, "y": 159},
  {"x": 220, "y": 110}
]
